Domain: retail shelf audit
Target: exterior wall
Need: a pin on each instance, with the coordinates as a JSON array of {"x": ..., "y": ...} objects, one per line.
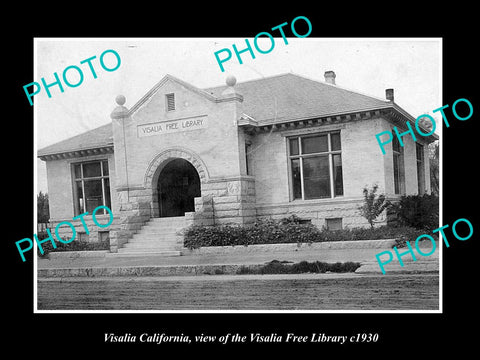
[
  {"x": 426, "y": 154},
  {"x": 362, "y": 157},
  {"x": 225, "y": 201},
  {"x": 60, "y": 185},
  {"x": 269, "y": 166},
  {"x": 217, "y": 145},
  {"x": 89, "y": 234},
  {"x": 217, "y": 151},
  {"x": 361, "y": 165},
  {"x": 228, "y": 195},
  {"x": 60, "y": 198},
  {"x": 387, "y": 161},
  {"x": 410, "y": 163},
  {"x": 60, "y": 192}
]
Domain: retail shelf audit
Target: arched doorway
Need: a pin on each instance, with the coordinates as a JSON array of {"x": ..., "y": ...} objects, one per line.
[{"x": 178, "y": 184}]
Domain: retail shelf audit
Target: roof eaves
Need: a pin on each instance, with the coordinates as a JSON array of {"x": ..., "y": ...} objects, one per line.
[
  {"x": 76, "y": 153},
  {"x": 412, "y": 120}
]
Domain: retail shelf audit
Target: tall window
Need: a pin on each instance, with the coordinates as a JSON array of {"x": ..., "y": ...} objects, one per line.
[
  {"x": 91, "y": 186},
  {"x": 398, "y": 167},
  {"x": 420, "y": 169},
  {"x": 316, "y": 166}
]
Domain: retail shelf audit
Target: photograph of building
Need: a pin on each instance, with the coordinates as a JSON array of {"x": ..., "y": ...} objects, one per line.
[{"x": 242, "y": 190}]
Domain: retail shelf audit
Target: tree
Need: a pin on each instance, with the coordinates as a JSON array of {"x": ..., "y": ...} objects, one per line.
[
  {"x": 43, "y": 213},
  {"x": 373, "y": 205},
  {"x": 434, "y": 155}
]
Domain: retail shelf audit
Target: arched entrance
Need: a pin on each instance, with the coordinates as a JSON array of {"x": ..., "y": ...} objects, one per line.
[{"x": 177, "y": 186}]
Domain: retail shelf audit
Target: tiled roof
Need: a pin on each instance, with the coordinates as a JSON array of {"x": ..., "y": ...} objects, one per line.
[
  {"x": 275, "y": 99},
  {"x": 291, "y": 97}
]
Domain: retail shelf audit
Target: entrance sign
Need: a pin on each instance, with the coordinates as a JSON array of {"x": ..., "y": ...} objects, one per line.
[{"x": 193, "y": 123}]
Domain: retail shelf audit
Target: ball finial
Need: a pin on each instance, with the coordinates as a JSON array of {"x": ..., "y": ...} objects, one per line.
[
  {"x": 231, "y": 80},
  {"x": 120, "y": 100}
]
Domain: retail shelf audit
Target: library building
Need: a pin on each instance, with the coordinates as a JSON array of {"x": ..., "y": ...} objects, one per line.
[{"x": 267, "y": 148}]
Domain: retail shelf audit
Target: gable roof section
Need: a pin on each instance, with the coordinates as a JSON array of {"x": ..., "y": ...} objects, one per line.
[
  {"x": 291, "y": 97},
  {"x": 157, "y": 86}
]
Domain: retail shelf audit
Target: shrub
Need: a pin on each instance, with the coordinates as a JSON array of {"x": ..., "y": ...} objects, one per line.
[
  {"x": 418, "y": 211},
  {"x": 75, "y": 245},
  {"x": 271, "y": 232},
  {"x": 261, "y": 232},
  {"x": 277, "y": 267},
  {"x": 373, "y": 205}
]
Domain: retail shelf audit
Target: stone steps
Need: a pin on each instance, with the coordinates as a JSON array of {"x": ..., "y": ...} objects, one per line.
[
  {"x": 149, "y": 253},
  {"x": 148, "y": 236},
  {"x": 158, "y": 237},
  {"x": 151, "y": 244}
]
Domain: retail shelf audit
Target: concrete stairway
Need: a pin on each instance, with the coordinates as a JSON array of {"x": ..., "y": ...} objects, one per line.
[{"x": 158, "y": 237}]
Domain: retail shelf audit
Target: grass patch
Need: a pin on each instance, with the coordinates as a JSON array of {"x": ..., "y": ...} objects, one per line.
[{"x": 281, "y": 267}]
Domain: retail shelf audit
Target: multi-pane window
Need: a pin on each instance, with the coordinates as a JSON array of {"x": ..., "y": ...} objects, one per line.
[
  {"x": 91, "y": 186},
  {"x": 420, "y": 169},
  {"x": 398, "y": 167},
  {"x": 316, "y": 166}
]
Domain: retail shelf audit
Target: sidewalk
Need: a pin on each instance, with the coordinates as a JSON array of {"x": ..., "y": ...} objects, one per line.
[{"x": 223, "y": 263}]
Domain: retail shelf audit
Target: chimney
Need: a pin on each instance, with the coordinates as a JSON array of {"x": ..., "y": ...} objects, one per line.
[
  {"x": 330, "y": 77},
  {"x": 389, "y": 94}
]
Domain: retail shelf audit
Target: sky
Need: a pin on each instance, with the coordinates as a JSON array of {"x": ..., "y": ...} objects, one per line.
[{"x": 412, "y": 67}]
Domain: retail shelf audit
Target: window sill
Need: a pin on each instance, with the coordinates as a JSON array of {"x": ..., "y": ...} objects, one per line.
[{"x": 306, "y": 201}]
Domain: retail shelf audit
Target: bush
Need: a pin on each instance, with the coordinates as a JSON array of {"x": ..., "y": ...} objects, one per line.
[
  {"x": 272, "y": 232},
  {"x": 277, "y": 267},
  {"x": 75, "y": 245},
  {"x": 418, "y": 211},
  {"x": 261, "y": 232}
]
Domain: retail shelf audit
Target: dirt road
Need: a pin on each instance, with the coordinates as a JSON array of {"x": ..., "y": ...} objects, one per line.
[{"x": 242, "y": 292}]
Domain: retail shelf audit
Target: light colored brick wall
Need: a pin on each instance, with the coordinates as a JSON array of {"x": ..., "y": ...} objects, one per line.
[
  {"x": 217, "y": 152},
  {"x": 362, "y": 159},
  {"x": 60, "y": 185},
  {"x": 268, "y": 155},
  {"x": 60, "y": 192},
  {"x": 217, "y": 145},
  {"x": 362, "y": 164},
  {"x": 410, "y": 162},
  {"x": 389, "y": 188},
  {"x": 428, "y": 185}
]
